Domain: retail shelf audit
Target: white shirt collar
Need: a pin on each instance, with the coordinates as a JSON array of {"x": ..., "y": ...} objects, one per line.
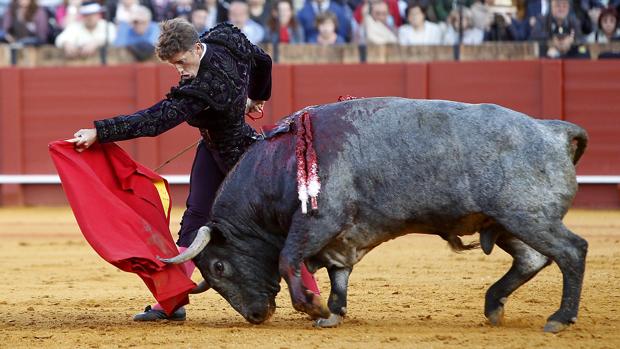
[{"x": 204, "y": 50}]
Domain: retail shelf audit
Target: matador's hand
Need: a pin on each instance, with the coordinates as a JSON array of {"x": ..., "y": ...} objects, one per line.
[
  {"x": 84, "y": 138},
  {"x": 254, "y": 106}
]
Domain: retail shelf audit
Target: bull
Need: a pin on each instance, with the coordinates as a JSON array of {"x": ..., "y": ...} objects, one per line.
[{"x": 389, "y": 167}]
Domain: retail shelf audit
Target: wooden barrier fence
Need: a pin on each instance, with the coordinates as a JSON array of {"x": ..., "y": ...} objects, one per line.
[
  {"x": 50, "y": 56},
  {"x": 39, "y": 105}
]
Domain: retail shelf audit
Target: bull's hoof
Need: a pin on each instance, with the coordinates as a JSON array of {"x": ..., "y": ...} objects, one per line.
[
  {"x": 496, "y": 317},
  {"x": 313, "y": 306},
  {"x": 555, "y": 326},
  {"x": 332, "y": 321}
]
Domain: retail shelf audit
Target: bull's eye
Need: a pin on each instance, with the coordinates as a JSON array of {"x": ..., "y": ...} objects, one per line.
[{"x": 219, "y": 268}]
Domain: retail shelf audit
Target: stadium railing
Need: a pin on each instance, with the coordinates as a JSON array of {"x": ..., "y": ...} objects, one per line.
[{"x": 45, "y": 56}]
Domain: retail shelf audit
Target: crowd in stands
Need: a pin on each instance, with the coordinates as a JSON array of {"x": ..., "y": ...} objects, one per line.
[{"x": 80, "y": 27}]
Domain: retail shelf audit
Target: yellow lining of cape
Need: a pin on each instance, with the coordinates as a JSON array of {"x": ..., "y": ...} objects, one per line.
[{"x": 164, "y": 196}]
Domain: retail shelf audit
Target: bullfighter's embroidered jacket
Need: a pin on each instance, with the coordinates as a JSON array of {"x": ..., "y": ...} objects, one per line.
[{"x": 231, "y": 70}]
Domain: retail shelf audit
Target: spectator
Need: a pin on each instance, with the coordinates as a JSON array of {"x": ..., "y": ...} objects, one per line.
[
  {"x": 49, "y": 3},
  {"x": 124, "y": 10},
  {"x": 471, "y": 34},
  {"x": 282, "y": 25},
  {"x": 180, "y": 9},
  {"x": 537, "y": 8},
  {"x": 25, "y": 23},
  {"x": 533, "y": 10},
  {"x": 217, "y": 13},
  {"x": 562, "y": 43},
  {"x": 67, "y": 13},
  {"x": 419, "y": 31},
  {"x": 327, "y": 26},
  {"x": 441, "y": 9},
  {"x": 588, "y": 12},
  {"x": 159, "y": 9},
  {"x": 607, "y": 27},
  {"x": 83, "y": 38},
  {"x": 308, "y": 13},
  {"x": 394, "y": 17},
  {"x": 504, "y": 28},
  {"x": 259, "y": 11},
  {"x": 377, "y": 30},
  {"x": 499, "y": 23},
  {"x": 239, "y": 16},
  {"x": 140, "y": 35},
  {"x": 4, "y": 5},
  {"x": 558, "y": 15},
  {"x": 199, "y": 19},
  {"x": 482, "y": 14}
]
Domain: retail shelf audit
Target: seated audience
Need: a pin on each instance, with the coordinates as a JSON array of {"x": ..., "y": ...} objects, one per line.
[
  {"x": 83, "y": 38},
  {"x": 607, "y": 27},
  {"x": 199, "y": 18},
  {"x": 559, "y": 13},
  {"x": 159, "y": 9},
  {"x": 180, "y": 8},
  {"x": 308, "y": 13},
  {"x": 4, "y": 5},
  {"x": 67, "y": 13},
  {"x": 377, "y": 30},
  {"x": 217, "y": 13},
  {"x": 499, "y": 23},
  {"x": 283, "y": 26},
  {"x": 124, "y": 9},
  {"x": 419, "y": 31},
  {"x": 259, "y": 11},
  {"x": 25, "y": 23},
  {"x": 140, "y": 35},
  {"x": 239, "y": 16},
  {"x": 471, "y": 34},
  {"x": 394, "y": 17},
  {"x": 562, "y": 43},
  {"x": 327, "y": 26},
  {"x": 439, "y": 10}
]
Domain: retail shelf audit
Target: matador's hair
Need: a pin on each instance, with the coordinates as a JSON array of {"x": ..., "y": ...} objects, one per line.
[{"x": 177, "y": 35}]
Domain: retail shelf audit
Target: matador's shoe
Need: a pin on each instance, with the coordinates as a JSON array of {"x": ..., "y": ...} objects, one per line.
[{"x": 150, "y": 314}]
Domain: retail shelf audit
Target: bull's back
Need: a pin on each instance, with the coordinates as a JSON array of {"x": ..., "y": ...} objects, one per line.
[{"x": 396, "y": 155}]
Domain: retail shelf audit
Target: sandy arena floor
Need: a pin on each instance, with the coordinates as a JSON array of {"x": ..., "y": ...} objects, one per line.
[{"x": 412, "y": 292}]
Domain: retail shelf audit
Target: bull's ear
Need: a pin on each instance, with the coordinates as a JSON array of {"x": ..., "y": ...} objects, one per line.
[{"x": 217, "y": 237}]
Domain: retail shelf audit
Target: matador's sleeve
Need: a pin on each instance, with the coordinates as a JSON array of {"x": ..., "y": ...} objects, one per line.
[
  {"x": 260, "y": 76},
  {"x": 150, "y": 122}
]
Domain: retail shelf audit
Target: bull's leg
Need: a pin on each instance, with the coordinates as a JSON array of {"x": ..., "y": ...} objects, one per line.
[
  {"x": 527, "y": 262},
  {"x": 303, "y": 299},
  {"x": 295, "y": 251},
  {"x": 568, "y": 251},
  {"x": 337, "y": 303}
]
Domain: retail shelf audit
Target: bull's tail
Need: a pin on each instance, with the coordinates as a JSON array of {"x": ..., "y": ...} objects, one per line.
[
  {"x": 578, "y": 142},
  {"x": 577, "y": 137},
  {"x": 457, "y": 245}
]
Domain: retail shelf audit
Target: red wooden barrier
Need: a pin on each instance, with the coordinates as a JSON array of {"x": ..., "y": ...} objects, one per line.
[
  {"x": 43, "y": 104},
  {"x": 592, "y": 99}
]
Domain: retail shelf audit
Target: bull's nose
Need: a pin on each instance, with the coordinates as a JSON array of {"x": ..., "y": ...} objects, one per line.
[{"x": 257, "y": 314}]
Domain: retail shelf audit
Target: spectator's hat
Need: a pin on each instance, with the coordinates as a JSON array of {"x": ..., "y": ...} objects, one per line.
[
  {"x": 562, "y": 29},
  {"x": 90, "y": 7}
]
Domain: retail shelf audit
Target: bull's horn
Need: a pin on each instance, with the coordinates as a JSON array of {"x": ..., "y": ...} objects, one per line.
[
  {"x": 202, "y": 239},
  {"x": 202, "y": 287}
]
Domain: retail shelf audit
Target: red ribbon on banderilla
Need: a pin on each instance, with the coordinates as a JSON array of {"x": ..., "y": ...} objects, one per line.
[{"x": 308, "y": 182}]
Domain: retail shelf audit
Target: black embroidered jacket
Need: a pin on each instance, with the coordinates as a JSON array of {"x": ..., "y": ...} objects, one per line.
[{"x": 231, "y": 70}]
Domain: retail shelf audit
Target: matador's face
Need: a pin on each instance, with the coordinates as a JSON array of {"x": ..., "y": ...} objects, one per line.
[{"x": 187, "y": 62}]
